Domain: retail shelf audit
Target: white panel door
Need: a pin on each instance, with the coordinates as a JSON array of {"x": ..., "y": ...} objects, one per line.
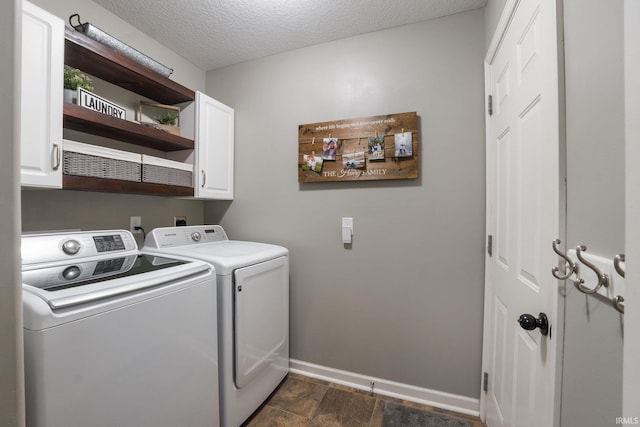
[
  {"x": 41, "y": 98},
  {"x": 523, "y": 215},
  {"x": 214, "y": 149}
]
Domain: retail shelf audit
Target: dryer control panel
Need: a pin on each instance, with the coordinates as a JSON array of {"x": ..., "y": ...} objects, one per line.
[{"x": 167, "y": 237}]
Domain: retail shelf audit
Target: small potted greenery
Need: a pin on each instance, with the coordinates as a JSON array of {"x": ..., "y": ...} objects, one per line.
[
  {"x": 74, "y": 78},
  {"x": 159, "y": 116},
  {"x": 168, "y": 122},
  {"x": 167, "y": 119}
]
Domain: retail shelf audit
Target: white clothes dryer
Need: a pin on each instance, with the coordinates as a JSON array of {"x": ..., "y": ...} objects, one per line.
[{"x": 253, "y": 311}]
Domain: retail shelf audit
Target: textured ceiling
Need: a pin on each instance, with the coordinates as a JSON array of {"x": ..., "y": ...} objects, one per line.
[{"x": 217, "y": 33}]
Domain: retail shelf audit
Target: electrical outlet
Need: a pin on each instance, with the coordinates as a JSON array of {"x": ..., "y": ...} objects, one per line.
[
  {"x": 135, "y": 221},
  {"x": 179, "y": 221}
]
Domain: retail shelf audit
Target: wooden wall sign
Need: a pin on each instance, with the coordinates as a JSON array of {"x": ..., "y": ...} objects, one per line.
[{"x": 361, "y": 149}]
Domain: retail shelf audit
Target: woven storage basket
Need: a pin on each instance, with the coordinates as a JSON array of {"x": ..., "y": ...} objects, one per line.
[
  {"x": 163, "y": 171},
  {"x": 100, "y": 162}
]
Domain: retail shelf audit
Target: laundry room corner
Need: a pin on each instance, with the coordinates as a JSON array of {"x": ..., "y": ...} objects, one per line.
[{"x": 391, "y": 303}]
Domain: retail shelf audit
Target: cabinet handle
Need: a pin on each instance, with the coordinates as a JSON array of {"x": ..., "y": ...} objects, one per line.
[
  {"x": 56, "y": 157},
  {"x": 204, "y": 178}
]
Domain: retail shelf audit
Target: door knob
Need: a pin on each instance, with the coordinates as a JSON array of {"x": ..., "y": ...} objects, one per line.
[{"x": 528, "y": 322}]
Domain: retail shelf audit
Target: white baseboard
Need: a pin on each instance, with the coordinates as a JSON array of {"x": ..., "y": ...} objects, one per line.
[{"x": 425, "y": 396}]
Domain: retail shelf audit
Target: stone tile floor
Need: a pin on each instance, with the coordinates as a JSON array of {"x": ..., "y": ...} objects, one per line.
[{"x": 307, "y": 402}]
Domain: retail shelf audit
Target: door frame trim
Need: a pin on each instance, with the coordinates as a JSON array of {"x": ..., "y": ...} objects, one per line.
[
  {"x": 631, "y": 372},
  {"x": 505, "y": 19},
  {"x": 504, "y": 22}
]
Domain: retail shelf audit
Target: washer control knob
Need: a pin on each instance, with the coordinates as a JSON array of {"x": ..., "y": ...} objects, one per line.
[
  {"x": 71, "y": 247},
  {"x": 71, "y": 273},
  {"x": 196, "y": 236}
]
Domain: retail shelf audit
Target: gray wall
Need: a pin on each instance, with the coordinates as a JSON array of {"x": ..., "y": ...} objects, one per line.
[
  {"x": 595, "y": 205},
  {"x": 11, "y": 366},
  {"x": 56, "y": 209},
  {"x": 405, "y": 302}
]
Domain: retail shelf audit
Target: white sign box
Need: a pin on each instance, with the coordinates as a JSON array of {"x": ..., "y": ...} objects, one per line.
[{"x": 96, "y": 103}]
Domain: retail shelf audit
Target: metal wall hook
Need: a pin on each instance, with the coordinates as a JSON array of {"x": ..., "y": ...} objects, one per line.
[
  {"x": 572, "y": 267},
  {"x": 616, "y": 264},
  {"x": 603, "y": 279},
  {"x": 618, "y": 303}
]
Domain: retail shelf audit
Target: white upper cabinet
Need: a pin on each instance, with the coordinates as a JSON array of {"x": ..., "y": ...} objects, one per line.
[
  {"x": 213, "y": 170},
  {"x": 44, "y": 40},
  {"x": 41, "y": 98}
]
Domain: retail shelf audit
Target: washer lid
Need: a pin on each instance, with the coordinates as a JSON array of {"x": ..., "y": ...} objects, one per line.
[
  {"x": 65, "y": 284},
  {"x": 83, "y": 273}
]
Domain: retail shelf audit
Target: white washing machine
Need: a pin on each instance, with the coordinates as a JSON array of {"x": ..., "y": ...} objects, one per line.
[
  {"x": 253, "y": 311},
  {"x": 117, "y": 337}
]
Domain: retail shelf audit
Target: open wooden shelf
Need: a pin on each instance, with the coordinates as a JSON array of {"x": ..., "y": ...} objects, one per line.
[
  {"x": 84, "y": 183},
  {"x": 89, "y": 121},
  {"x": 101, "y": 61},
  {"x": 105, "y": 63}
]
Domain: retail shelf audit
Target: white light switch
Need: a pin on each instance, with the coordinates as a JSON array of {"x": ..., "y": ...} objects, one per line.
[{"x": 347, "y": 229}]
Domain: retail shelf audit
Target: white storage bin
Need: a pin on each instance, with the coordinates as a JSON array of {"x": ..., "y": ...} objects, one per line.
[
  {"x": 163, "y": 171},
  {"x": 100, "y": 162}
]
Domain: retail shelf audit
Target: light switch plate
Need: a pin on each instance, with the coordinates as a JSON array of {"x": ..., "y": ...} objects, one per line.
[
  {"x": 347, "y": 222},
  {"x": 347, "y": 229}
]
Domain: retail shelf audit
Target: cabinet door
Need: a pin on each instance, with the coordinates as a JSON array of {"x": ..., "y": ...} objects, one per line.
[
  {"x": 41, "y": 98},
  {"x": 214, "y": 149}
]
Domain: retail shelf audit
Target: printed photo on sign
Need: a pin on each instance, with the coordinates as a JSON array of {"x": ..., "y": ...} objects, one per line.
[
  {"x": 376, "y": 147},
  {"x": 403, "y": 144},
  {"x": 329, "y": 148},
  {"x": 353, "y": 161},
  {"x": 311, "y": 163}
]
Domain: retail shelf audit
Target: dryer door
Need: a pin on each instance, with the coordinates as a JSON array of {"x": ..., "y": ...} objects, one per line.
[{"x": 261, "y": 318}]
